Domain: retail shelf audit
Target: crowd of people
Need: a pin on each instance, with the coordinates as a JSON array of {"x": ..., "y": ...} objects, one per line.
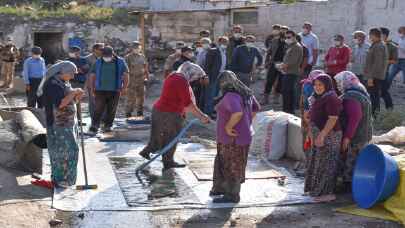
[{"x": 212, "y": 80}]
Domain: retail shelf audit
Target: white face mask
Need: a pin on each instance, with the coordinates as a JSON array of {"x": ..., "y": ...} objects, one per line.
[
  {"x": 36, "y": 56},
  {"x": 250, "y": 44},
  {"x": 107, "y": 59},
  {"x": 356, "y": 41},
  {"x": 289, "y": 41},
  {"x": 276, "y": 32},
  {"x": 72, "y": 55},
  {"x": 199, "y": 49},
  {"x": 223, "y": 46},
  {"x": 206, "y": 46},
  {"x": 178, "y": 51},
  {"x": 237, "y": 35},
  {"x": 189, "y": 55},
  {"x": 136, "y": 50},
  {"x": 338, "y": 43}
]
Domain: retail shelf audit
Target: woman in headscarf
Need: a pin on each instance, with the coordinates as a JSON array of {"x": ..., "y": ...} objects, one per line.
[
  {"x": 168, "y": 112},
  {"x": 307, "y": 91},
  {"x": 60, "y": 109},
  {"x": 236, "y": 108},
  {"x": 356, "y": 121},
  {"x": 326, "y": 133}
]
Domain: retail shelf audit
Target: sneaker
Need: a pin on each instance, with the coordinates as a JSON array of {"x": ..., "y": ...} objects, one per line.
[
  {"x": 145, "y": 155},
  {"x": 92, "y": 131},
  {"x": 215, "y": 193},
  {"x": 225, "y": 200}
]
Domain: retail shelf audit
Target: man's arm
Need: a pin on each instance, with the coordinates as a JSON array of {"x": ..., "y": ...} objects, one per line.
[
  {"x": 259, "y": 57},
  {"x": 125, "y": 80},
  {"x": 25, "y": 73}
]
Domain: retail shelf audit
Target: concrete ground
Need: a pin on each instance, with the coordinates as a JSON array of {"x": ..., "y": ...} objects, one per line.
[{"x": 24, "y": 205}]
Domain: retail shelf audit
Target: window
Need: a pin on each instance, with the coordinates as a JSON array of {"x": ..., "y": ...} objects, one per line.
[{"x": 245, "y": 17}]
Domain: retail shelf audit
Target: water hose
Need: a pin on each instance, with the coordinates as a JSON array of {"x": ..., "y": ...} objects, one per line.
[{"x": 167, "y": 147}]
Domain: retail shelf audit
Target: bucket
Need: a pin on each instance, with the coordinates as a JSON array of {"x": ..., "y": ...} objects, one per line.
[{"x": 375, "y": 177}]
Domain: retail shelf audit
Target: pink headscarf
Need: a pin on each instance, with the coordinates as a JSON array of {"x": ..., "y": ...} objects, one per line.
[
  {"x": 347, "y": 80},
  {"x": 311, "y": 77}
]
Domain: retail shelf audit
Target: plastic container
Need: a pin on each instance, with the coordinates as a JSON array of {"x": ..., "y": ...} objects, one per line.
[{"x": 375, "y": 177}]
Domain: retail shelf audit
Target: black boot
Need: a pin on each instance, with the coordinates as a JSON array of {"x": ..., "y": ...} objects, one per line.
[{"x": 139, "y": 113}]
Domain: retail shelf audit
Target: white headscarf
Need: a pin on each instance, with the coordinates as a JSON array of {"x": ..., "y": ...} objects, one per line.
[
  {"x": 190, "y": 71},
  {"x": 62, "y": 67}
]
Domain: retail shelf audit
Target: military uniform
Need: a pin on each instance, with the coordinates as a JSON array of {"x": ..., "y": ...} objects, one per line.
[
  {"x": 136, "y": 89},
  {"x": 9, "y": 54}
]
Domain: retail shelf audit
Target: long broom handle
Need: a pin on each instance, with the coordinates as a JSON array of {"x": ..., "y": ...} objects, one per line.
[
  {"x": 79, "y": 117},
  {"x": 167, "y": 147}
]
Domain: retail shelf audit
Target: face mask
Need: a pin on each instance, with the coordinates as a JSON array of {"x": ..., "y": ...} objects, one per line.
[
  {"x": 237, "y": 35},
  {"x": 276, "y": 32},
  {"x": 107, "y": 59},
  {"x": 36, "y": 56},
  {"x": 289, "y": 41},
  {"x": 190, "y": 55},
  {"x": 338, "y": 43},
  {"x": 206, "y": 46},
  {"x": 305, "y": 31},
  {"x": 136, "y": 50},
  {"x": 223, "y": 46},
  {"x": 356, "y": 41},
  {"x": 72, "y": 55},
  {"x": 199, "y": 49},
  {"x": 178, "y": 51}
]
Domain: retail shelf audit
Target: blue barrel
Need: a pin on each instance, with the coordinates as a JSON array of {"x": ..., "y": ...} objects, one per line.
[{"x": 375, "y": 177}]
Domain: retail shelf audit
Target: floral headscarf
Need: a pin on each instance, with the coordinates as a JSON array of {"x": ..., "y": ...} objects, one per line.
[
  {"x": 228, "y": 82},
  {"x": 312, "y": 76},
  {"x": 190, "y": 71},
  {"x": 326, "y": 80},
  {"x": 347, "y": 80}
]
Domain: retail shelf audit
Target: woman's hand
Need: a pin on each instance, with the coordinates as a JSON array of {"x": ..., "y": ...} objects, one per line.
[
  {"x": 79, "y": 93},
  {"x": 230, "y": 131},
  {"x": 320, "y": 140},
  {"x": 205, "y": 119},
  {"x": 345, "y": 144}
]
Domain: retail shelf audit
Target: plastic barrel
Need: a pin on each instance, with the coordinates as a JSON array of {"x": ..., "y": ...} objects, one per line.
[{"x": 375, "y": 177}]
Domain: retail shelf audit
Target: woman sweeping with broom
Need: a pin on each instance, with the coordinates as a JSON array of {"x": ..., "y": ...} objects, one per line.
[{"x": 60, "y": 109}]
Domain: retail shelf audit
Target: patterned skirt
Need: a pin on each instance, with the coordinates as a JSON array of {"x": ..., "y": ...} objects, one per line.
[
  {"x": 165, "y": 127},
  {"x": 230, "y": 163},
  {"x": 64, "y": 153},
  {"x": 323, "y": 165}
]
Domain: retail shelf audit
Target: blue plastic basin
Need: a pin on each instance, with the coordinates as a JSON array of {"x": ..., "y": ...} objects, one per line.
[{"x": 375, "y": 177}]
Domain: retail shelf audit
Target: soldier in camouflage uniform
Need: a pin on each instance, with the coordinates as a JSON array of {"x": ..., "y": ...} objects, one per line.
[
  {"x": 9, "y": 54},
  {"x": 138, "y": 74}
]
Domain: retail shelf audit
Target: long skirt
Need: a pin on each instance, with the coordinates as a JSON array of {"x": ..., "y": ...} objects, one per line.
[
  {"x": 229, "y": 169},
  {"x": 323, "y": 165},
  {"x": 63, "y": 152},
  {"x": 165, "y": 127}
]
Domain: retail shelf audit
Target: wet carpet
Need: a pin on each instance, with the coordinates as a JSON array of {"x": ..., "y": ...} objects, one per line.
[{"x": 153, "y": 187}]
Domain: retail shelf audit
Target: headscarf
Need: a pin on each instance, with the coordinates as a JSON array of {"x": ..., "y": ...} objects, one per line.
[
  {"x": 228, "y": 82},
  {"x": 190, "y": 71},
  {"x": 312, "y": 76},
  {"x": 326, "y": 80},
  {"x": 56, "y": 70},
  {"x": 347, "y": 80}
]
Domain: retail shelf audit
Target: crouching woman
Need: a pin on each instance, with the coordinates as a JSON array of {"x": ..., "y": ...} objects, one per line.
[
  {"x": 60, "y": 108},
  {"x": 236, "y": 108},
  {"x": 326, "y": 133}
]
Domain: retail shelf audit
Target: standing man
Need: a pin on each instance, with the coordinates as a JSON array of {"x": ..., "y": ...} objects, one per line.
[
  {"x": 359, "y": 55},
  {"x": 291, "y": 71},
  {"x": 109, "y": 80},
  {"x": 275, "y": 54},
  {"x": 171, "y": 59},
  {"x": 338, "y": 57},
  {"x": 216, "y": 62},
  {"x": 235, "y": 40},
  {"x": 97, "y": 52},
  {"x": 243, "y": 60},
  {"x": 33, "y": 72},
  {"x": 311, "y": 41},
  {"x": 138, "y": 74},
  {"x": 82, "y": 67},
  {"x": 392, "y": 49},
  {"x": 201, "y": 55},
  {"x": 400, "y": 66},
  {"x": 9, "y": 55},
  {"x": 376, "y": 68}
]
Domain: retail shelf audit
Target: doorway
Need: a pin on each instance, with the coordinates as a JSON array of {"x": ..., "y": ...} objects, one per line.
[{"x": 51, "y": 44}]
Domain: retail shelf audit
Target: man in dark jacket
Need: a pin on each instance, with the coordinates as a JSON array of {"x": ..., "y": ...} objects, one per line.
[
  {"x": 216, "y": 62},
  {"x": 82, "y": 66},
  {"x": 235, "y": 40},
  {"x": 275, "y": 53}
]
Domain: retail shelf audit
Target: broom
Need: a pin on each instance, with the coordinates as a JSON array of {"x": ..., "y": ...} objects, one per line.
[{"x": 86, "y": 183}]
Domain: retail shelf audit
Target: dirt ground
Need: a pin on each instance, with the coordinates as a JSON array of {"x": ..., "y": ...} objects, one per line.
[{"x": 24, "y": 205}]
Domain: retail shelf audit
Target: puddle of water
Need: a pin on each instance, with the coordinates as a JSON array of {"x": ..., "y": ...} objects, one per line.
[{"x": 156, "y": 187}]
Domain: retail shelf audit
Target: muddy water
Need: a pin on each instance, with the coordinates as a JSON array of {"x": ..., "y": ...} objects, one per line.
[{"x": 153, "y": 187}]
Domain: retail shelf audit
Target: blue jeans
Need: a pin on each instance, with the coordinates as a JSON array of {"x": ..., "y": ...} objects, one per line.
[
  {"x": 394, "y": 69},
  {"x": 211, "y": 92}
]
